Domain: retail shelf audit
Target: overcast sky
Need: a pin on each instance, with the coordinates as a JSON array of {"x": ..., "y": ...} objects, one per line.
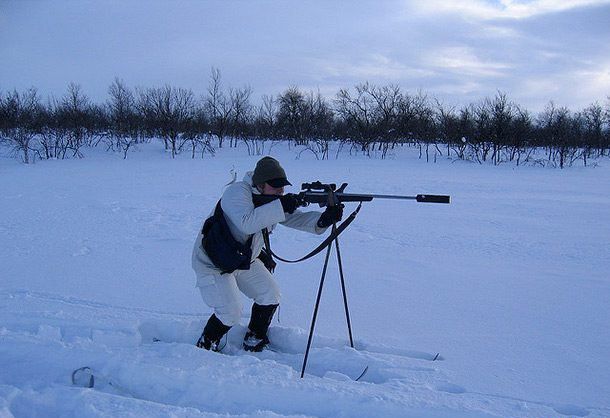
[{"x": 458, "y": 51}]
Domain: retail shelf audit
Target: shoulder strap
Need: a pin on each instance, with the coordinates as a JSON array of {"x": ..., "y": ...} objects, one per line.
[
  {"x": 334, "y": 234},
  {"x": 219, "y": 216},
  {"x": 266, "y": 239}
]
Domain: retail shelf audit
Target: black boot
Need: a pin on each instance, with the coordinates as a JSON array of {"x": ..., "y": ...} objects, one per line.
[
  {"x": 256, "y": 338},
  {"x": 212, "y": 333}
]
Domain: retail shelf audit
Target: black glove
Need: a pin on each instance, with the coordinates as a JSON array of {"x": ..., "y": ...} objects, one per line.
[
  {"x": 267, "y": 260},
  {"x": 289, "y": 202},
  {"x": 331, "y": 215}
]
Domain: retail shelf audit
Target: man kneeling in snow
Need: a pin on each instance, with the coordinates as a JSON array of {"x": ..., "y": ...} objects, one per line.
[{"x": 233, "y": 238}]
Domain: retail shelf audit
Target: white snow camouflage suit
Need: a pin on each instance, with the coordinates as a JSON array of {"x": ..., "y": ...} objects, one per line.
[{"x": 222, "y": 291}]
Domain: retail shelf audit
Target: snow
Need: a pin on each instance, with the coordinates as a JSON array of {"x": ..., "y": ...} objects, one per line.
[{"x": 509, "y": 283}]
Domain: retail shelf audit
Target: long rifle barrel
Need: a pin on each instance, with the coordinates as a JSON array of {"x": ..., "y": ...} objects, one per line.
[
  {"x": 422, "y": 198},
  {"x": 322, "y": 197},
  {"x": 323, "y": 194}
]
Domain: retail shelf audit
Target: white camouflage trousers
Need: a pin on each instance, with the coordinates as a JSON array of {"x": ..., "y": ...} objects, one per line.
[{"x": 222, "y": 292}]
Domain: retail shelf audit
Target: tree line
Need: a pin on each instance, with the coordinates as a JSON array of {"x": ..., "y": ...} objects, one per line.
[{"x": 367, "y": 119}]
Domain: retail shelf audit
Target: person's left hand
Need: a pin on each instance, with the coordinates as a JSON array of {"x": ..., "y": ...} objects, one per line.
[{"x": 331, "y": 215}]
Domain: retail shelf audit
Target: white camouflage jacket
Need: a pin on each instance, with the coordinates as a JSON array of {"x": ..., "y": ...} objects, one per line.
[{"x": 245, "y": 220}]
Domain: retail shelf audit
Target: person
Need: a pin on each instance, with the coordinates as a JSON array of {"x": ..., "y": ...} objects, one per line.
[{"x": 246, "y": 221}]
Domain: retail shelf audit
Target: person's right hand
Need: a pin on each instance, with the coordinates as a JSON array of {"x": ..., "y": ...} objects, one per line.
[{"x": 289, "y": 202}]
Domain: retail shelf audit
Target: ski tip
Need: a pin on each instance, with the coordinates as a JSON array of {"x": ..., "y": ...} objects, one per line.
[
  {"x": 366, "y": 369},
  {"x": 436, "y": 357}
]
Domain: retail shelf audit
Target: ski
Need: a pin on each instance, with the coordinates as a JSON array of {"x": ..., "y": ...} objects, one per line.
[
  {"x": 269, "y": 348},
  {"x": 366, "y": 369}
]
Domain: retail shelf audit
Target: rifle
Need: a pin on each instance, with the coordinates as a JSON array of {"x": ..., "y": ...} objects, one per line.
[{"x": 328, "y": 195}]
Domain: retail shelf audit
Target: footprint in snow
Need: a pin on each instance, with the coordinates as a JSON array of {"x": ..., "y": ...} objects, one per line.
[
  {"x": 82, "y": 251},
  {"x": 571, "y": 410},
  {"x": 450, "y": 388}
]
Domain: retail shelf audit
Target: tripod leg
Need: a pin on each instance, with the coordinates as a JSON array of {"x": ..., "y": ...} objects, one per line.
[
  {"x": 315, "y": 311},
  {"x": 349, "y": 323}
]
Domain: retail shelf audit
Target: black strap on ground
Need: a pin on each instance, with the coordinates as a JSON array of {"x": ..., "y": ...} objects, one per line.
[{"x": 334, "y": 234}]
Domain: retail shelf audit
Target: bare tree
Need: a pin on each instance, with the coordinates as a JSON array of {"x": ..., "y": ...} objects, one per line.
[
  {"x": 291, "y": 112},
  {"x": 241, "y": 114},
  {"x": 388, "y": 99},
  {"x": 73, "y": 122},
  {"x": 318, "y": 121},
  {"x": 593, "y": 121},
  {"x": 421, "y": 120},
  {"x": 122, "y": 116},
  {"x": 219, "y": 107},
  {"x": 483, "y": 133},
  {"x": 605, "y": 148},
  {"x": 264, "y": 125},
  {"x": 198, "y": 133},
  {"x": 74, "y": 114},
  {"x": 357, "y": 112},
  {"x": 172, "y": 111},
  {"x": 556, "y": 129},
  {"x": 519, "y": 142},
  {"x": 55, "y": 134},
  {"x": 21, "y": 120},
  {"x": 266, "y": 119},
  {"x": 502, "y": 113},
  {"x": 372, "y": 119},
  {"x": 447, "y": 122}
]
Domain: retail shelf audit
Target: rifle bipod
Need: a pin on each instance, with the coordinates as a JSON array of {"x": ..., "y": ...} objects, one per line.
[
  {"x": 327, "y": 243},
  {"x": 330, "y": 190},
  {"x": 317, "y": 305}
]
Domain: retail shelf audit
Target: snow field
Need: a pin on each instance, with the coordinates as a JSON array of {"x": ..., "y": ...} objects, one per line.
[
  {"x": 136, "y": 374},
  {"x": 509, "y": 283}
]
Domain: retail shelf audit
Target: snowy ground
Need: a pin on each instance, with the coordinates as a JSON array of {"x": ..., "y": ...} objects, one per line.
[{"x": 510, "y": 284}]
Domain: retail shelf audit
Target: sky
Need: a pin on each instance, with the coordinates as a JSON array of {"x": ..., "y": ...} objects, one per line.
[{"x": 456, "y": 51}]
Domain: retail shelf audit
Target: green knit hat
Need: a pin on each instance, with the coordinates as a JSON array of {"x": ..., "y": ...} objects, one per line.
[{"x": 268, "y": 170}]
